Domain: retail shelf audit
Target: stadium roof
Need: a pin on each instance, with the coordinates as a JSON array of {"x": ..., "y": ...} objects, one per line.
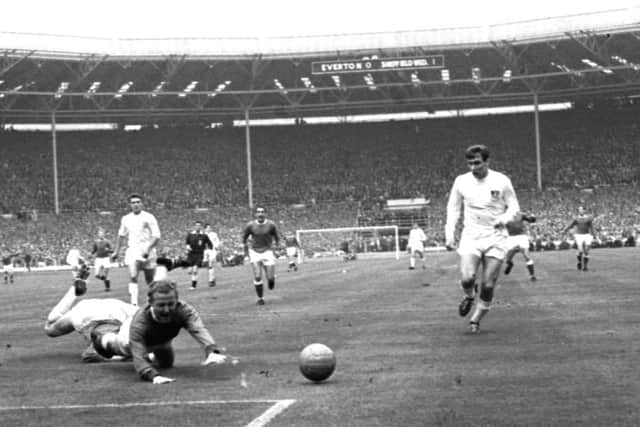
[{"x": 203, "y": 79}]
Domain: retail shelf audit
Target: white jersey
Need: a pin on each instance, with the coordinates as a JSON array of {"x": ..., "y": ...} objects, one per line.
[
  {"x": 90, "y": 311},
  {"x": 416, "y": 238},
  {"x": 215, "y": 240},
  {"x": 486, "y": 201},
  {"x": 74, "y": 257},
  {"x": 140, "y": 229}
]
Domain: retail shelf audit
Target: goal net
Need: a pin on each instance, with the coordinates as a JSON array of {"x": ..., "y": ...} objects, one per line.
[{"x": 348, "y": 242}]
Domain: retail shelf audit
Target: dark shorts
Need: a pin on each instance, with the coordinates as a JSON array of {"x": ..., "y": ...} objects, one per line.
[{"x": 194, "y": 259}]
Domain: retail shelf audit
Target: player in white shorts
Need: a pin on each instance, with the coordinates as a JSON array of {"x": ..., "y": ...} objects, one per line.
[
  {"x": 94, "y": 315},
  {"x": 415, "y": 244},
  {"x": 518, "y": 241},
  {"x": 292, "y": 246},
  {"x": 583, "y": 236},
  {"x": 83, "y": 316},
  {"x": 489, "y": 202},
  {"x": 263, "y": 234},
  {"x": 75, "y": 260},
  {"x": 143, "y": 234},
  {"x": 211, "y": 255}
]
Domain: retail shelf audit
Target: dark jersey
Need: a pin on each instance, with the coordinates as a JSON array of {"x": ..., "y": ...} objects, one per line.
[
  {"x": 198, "y": 242},
  {"x": 146, "y": 332},
  {"x": 101, "y": 248},
  {"x": 263, "y": 235},
  {"x": 583, "y": 224},
  {"x": 517, "y": 226},
  {"x": 291, "y": 242}
]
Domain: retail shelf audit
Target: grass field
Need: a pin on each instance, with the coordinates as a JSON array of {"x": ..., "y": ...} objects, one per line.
[{"x": 558, "y": 352}]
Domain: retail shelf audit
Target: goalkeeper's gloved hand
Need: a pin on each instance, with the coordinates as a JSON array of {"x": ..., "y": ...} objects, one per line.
[
  {"x": 158, "y": 379},
  {"x": 214, "y": 359}
]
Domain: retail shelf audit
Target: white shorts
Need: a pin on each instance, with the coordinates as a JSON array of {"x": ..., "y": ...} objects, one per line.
[
  {"x": 102, "y": 262},
  {"x": 210, "y": 256},
  {"x": 585, "y": 239},
  {"x": 494, "y": 246},
  {"x": 292, "y": 251},
  {"x": 519, "y": 242},
  {"x": 417, "y": 248},
  {"x": 134, "y": 255},
  {"x": 86, "y": 313},
  {"x": 266, "y": 257},
  {"x": 8, "y": 268}
]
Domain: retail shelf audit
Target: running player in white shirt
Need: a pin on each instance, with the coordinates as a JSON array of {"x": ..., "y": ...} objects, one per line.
[
  {"x": 75, "y": 260},
  {"x": 489, "y": 202},
  {"x": 143, "y": 233},
  {"x": 416, "y": 242},
  {"x": 210, "y": 255}
]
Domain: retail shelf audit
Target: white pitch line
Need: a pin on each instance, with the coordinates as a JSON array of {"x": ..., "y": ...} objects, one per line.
[
  {"x": 271, "y": 413},
  {"x": 142, "y": 404}
]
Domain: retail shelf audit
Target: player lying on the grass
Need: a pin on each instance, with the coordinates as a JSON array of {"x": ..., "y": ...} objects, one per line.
[
  {"x": 71, "y": 315},
  {"x": 149, "y": 335}
]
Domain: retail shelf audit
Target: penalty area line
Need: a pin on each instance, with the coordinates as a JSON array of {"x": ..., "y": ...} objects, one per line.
[
  {"x": 271, "y": 413},
  {"x": 278, "y": 406}
]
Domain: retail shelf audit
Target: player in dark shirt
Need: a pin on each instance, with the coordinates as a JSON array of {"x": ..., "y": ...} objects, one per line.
[
  {"x": 518, "y": 241},
  {"x": 148, "y": 339},
  {"x": 197, "y": 242},
  {"x": 583, "y": 235},
  {"x": 292, "y": 247},
  {"x": 263, "y": 234},
  {"x": 102, "y": 250}
]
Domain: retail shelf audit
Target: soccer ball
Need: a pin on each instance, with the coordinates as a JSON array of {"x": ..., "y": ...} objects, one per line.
[{"x": 317, "y": 362}]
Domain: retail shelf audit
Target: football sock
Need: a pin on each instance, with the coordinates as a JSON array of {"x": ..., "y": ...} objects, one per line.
[
  {"x": 585, "y": 261},
  {"x": 212, "y": 275},
  {"x": 530, "y": 267},
  {"x": 107, "y": 284},
  {"x": 508, "y": 268},
  {"x": 412, "y": 262},
  {"x": 481, "y": 309},
  {"x": 486, "y": 293},
  {"x": 133, "y": 293},
  {"x": 194, "y": 283},
  {"x": 484, "y": 303},
  {"x": 63, "y": 305},
  {"x": 271, "y": 283},
  {"x": 467, "y": 286},
  {"x": 259, "y": 289}
]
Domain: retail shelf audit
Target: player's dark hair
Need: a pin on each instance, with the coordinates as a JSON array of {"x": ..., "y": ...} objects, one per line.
[
  {"x": 198, "y": 222},
  {"x": 134, "y": 196},
  {"x": 474, "y": 150},
  {"x": 162, "y": 287},
  {"x": 207, "y": 225}
]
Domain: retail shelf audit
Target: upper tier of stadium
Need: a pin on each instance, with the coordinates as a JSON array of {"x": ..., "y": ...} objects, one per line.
[{"x": 434, "y": 34}]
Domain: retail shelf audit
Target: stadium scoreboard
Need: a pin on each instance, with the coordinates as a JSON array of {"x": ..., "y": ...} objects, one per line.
[{"x": 378, "y": 64}]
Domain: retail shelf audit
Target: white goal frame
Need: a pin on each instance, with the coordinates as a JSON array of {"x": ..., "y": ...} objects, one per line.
[{"x": 395, "y": 229}]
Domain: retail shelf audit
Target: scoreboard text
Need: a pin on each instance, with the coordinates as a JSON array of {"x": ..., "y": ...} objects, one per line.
[{"x": 369, "y": 65}]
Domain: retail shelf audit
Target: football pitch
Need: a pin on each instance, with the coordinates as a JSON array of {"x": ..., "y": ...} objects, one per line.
[{"x": 561, "y": 351}]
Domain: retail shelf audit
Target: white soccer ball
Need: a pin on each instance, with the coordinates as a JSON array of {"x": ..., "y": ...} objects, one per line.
[{"x": 317, "y": 362}]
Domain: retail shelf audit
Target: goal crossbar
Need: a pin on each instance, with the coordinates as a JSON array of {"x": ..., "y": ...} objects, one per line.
[{"x": 299, "y": 233}]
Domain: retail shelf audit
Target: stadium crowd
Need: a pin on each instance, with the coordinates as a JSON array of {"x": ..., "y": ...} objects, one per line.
[{"x": 312, "y": 176}]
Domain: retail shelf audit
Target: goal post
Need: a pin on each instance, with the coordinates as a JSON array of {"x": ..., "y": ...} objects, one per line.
[{"x": 384, "y": 238}]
